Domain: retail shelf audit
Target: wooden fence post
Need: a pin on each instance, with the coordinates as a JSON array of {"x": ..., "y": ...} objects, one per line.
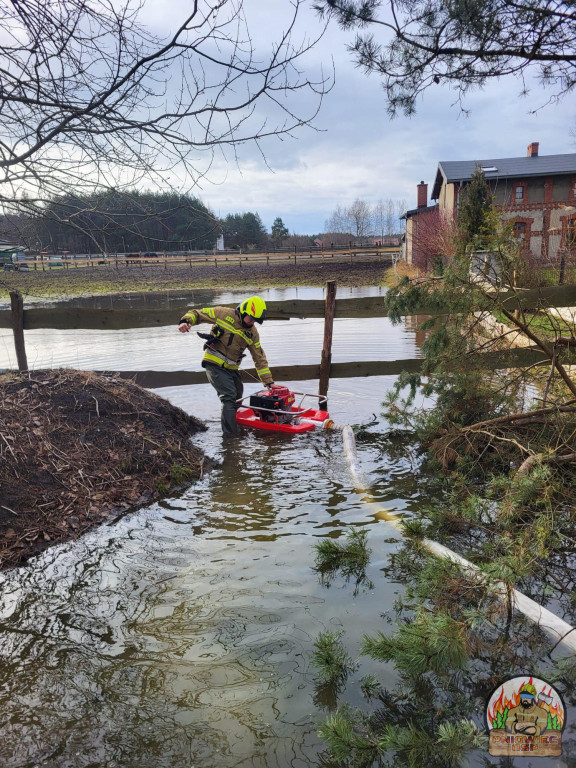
[
  {"x": 17, "y": 304},
  {"x": 326, "y": 360}
]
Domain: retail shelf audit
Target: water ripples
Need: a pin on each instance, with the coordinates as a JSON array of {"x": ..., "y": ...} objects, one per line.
[{"x": 181, "y": 635}]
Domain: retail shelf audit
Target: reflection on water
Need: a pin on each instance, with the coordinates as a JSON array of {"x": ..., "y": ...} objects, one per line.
[
  {"x": 195, "y": 298},
  {"x": 289, "y": 342},
  {"x": 181, "y": 635}
]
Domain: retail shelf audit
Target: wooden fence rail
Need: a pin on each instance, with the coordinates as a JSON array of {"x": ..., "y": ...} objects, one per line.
[
  {"x": 513, "y": 358},
  {"x": 216, "y": 258},
  {"x": 89, "y": 318},
  {"x": 71, "y": 317}
]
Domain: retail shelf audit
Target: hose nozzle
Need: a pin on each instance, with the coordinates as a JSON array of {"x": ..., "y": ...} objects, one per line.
[{"x": 331, "y": 424}]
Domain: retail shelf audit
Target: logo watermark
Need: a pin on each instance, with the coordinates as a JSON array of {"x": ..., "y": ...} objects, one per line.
[{"x": 525, "y": 715}]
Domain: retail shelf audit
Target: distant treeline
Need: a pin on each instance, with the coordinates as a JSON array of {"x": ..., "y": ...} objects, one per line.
[
  {"x": 137, "y": 222},
  {"x": 115, "y": 222}
]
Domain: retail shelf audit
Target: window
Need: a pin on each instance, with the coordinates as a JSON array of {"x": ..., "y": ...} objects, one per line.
[
  {"x": 571, "y": 233},
  {"x": 520, "y": 230},
  {"x": 519, "y": 192}
]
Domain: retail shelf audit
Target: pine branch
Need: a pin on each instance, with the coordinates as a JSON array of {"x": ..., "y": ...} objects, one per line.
[{"x": 567, "y": 407}]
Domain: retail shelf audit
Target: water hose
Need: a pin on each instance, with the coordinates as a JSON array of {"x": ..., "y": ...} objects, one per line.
[{"x": 555, "y": 627}]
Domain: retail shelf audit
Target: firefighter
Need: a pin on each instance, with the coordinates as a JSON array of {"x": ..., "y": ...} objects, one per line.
[
  {"x": 233, "y": 331},
  {"x": 527, "y": 718}
]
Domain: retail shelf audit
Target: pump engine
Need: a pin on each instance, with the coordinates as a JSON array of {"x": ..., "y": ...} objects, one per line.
[{"x": 273, "y": 405}]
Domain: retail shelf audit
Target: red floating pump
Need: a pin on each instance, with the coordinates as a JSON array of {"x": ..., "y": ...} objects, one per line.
[
  {"x": 274, "y": 410},
  {"x": 276, "y": 403}
]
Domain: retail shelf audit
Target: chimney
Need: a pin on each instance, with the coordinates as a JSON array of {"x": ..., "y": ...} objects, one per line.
[
  {"x": 533, "y": 149},
  {"x": 422, "y": 195}
]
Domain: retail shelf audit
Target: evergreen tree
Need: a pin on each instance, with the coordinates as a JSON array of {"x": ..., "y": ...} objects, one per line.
[
  {"x": 244, "y": 230},
  {"x": 474, "y": 219},
  {"x": 113, "y": 221},
  {"x": 496, "y": 443},
  {"x": 279, "y": 232},
  {"x": 418, "y": 44}
]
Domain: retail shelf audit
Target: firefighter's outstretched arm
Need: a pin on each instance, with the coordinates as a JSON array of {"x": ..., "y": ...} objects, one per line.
[
  {"x": 194, "y": 317},
  {"x": 261, "y": 363}
]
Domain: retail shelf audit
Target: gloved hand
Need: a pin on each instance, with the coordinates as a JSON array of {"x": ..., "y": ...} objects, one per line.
[{"x": 269, "y": 385}]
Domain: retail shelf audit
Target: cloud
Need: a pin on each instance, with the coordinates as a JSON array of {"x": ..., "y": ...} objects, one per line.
[{"x": 357, "y": 150}]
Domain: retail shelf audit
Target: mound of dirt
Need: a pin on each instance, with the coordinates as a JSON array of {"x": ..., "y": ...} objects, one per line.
[{"x": 77, "y": 448}]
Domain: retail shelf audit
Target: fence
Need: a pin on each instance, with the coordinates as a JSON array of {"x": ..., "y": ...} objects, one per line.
[
  {"x": 120, "y": 261},
  {"x": 58, "y": 317}
]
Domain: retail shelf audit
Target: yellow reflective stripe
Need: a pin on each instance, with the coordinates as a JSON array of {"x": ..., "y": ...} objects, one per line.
[
  {"x": 219, "y": 361},
  {"x": 224, "y": 324},
  {"x": 228, "y": 327},
  {"x": 208, "y": 311},
  {"x": 191, "y": 319},
  {"x": 257, "y": 344},
  {"x": 263, "y": 372}
]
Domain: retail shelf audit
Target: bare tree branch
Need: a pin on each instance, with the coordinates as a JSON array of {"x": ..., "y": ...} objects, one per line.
[{"x": 92, "y": 99}]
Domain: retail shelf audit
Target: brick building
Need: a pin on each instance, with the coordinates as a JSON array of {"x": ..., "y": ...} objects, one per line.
[
  {"x": 418, "y": 220},
  {"x": 537, "y": 193}
]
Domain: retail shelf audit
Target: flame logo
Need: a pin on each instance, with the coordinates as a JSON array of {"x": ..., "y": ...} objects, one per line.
[{"x": 503, "y": 703}]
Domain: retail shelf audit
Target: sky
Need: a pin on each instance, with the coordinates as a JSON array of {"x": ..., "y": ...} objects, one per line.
[{"x": 355, "y": 150}]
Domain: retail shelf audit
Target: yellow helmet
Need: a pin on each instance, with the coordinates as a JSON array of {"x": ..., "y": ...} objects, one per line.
[
  {"x": 528, "y": 689},
  {"x": 255, "y": 306}
]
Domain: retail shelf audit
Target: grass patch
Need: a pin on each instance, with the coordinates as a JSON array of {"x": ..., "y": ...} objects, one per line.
[{"x": 541, "y": 323}]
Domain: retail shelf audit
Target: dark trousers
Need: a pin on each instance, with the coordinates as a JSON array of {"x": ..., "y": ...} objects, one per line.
[{"x": 229, "y": 387}]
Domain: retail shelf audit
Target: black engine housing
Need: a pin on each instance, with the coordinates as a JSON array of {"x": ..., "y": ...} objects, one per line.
[{"x": 282, "y": 413}]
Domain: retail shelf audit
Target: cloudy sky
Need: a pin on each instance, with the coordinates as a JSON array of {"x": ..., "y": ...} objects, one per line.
[{"x": 356, "y": 151}]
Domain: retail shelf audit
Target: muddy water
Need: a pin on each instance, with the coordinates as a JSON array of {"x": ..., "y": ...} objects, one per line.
[{"x": 181, "y": 635}]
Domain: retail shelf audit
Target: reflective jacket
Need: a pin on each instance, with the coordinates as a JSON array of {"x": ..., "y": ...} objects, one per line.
[{"x": 231, "y": 340}]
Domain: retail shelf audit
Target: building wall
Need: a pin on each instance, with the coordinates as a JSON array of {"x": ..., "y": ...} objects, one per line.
[
  {"x": 408, "y": 241},
  {"x": 548, "y": 205},
  {"x": 447, "y": 199},
  {"x": 504, "y": 190},
  {"x": 563, "y": 189},
  {"x": 423, "y": 237}
]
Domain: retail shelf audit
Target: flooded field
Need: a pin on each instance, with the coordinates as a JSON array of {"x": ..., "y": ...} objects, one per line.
[{"x": 180, "y": 636}]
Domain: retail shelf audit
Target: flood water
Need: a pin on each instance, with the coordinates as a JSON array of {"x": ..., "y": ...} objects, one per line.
[{"x": 180, "y": 636}]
